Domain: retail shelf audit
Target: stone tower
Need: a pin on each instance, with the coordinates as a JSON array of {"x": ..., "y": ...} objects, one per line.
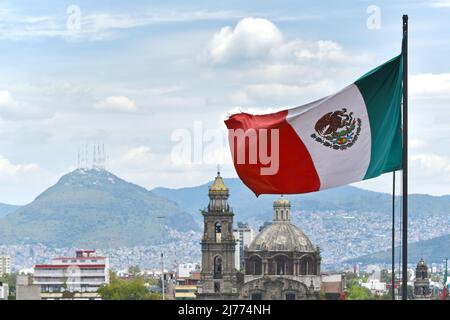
[
  {"x": 422, "y": 282},
  {"x": 218, "y": 275}
]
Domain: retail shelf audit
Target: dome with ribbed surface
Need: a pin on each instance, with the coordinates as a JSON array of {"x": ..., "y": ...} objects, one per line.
[{"x": 282, "y": 236}]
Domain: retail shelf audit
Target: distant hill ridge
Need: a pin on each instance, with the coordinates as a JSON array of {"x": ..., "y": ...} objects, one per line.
[
  {"x": 247, "y": 206},
  {"x": 432, "y": 250},
  {"x": 6, "y": 209},
  {"x": 94, "y": 208}
]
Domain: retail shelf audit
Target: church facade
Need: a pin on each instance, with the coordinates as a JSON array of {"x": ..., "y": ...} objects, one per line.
[
  {"x": 281, "y": 263},
  {"x": 422, "y": 282}
]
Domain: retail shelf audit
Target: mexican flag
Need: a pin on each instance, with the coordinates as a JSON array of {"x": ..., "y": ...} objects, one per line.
[{"x": 352, "y": 135}]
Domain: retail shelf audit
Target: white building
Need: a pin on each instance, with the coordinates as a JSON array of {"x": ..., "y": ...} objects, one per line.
[
  {"x": 243, "y": 235},
  {"x": 25, "y": 289},
  {"x": 5, "y": 265},
  {"x": 184, "y": 269},
  {"x": 4, "y": 291},
  {"x": 77, "y": 277},
  {"x": 376, "y": 286},
  {"x": 26, "y": 271}
]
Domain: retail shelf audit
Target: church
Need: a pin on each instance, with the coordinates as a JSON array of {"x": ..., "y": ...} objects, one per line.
[{"x": 281, "y": 263}]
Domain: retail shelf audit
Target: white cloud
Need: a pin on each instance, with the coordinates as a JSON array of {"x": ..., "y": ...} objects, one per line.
[
  {"x": 9, "y": 170},
  {"x": 116, "y": 104},
  {"x": 440, "y": 3},
  {"x": 306, "y": 51},
  {"x": 279, "y": 94},
  {"x": 150, "y": 169},
  {"x": 20, "y": 183},
  {"x": 282, "y": 91},
  {"x": 251, "y": 38},
  {"x": 14, "y": 110},
  {"x": 432, "y": 163},
  {"x": 6, "y": 100},
  {"x": 430, "y": 86},
  {"x": 260, "y": 38},
  {"x": 416, "y": 143},
  {"x": 95, "y": 25}
]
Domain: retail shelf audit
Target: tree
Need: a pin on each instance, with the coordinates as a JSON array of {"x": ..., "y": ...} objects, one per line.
[
  {"x": 384, "y": 296},
  {"x": 351, "y": 279},
  {"x": 119, "y": 289},
  {"x": 10, "y": 279},
  {"x": 134, "y": 271},
  {"x": 385, "y": 276},
  {"x": 359, "y": 293}
]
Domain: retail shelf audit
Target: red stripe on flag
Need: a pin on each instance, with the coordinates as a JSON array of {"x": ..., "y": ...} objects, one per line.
[{"x": 296, "y": 171}]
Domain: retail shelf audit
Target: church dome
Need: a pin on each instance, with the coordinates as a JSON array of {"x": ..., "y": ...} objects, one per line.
[
  {"x": 282, "y": 235},
  {"x": 421, "y": 263},
  {"x": 218, "y": 185},
  {"x": 282, "y": 202}
]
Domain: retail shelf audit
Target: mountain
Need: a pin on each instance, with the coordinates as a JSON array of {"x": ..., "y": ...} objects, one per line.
[
  {"x": 351, "y": 199},
  {"x": 7, "y": 208},
  {"x": 94, "y": 208},
  {"x": 431, "y": 250},
  {"x": 247, "y": 206},
  {"x": 346, "y": 222}
]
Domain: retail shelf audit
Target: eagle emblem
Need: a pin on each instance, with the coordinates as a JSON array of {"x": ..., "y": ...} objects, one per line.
[{"x": 338, "y": 130}]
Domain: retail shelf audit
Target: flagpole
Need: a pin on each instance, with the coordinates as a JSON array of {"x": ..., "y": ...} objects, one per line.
[
  {"x": 393, "y": 237},
  {"x": 405, "y": 161}
]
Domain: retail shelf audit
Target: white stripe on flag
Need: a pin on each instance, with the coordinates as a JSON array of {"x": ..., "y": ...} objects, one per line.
[{"x": 335, "y": 167}]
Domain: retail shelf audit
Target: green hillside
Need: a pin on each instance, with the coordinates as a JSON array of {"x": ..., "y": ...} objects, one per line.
[
  {"x": 432, "y": 250},
  {"x": 94, "y": 208},
  {"x": 351, "y": 199},
  {"x": 6, "y": 209}
]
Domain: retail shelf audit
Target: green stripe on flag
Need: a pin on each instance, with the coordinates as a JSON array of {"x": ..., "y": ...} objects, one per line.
[{"x": 381, "y": 89}]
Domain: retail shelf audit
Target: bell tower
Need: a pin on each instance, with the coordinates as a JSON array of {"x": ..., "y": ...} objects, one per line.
[
  {"x": 422, "y": 282},
  {"x": 218, "y": 275}
]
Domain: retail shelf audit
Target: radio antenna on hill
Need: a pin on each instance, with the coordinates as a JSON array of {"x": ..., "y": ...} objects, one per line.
[
  {"x": 98, "y": 156},
  {"x": 102, "y": 160},
  {"x": 85, "y": 156},
  {"x": 78, "y": 159},
  {"x": 94, "y": 160}
]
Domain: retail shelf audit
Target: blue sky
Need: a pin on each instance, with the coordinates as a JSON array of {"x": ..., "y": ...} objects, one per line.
[{"x": 137, "y": 72}]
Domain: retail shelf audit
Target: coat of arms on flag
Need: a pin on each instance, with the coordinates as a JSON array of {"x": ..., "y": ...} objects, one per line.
[{"x": 338, "y": 129}]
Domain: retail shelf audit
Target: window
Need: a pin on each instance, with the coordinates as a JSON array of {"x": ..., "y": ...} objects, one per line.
[
  {"x": 307, "y": 266},
  {"x": 218, "y": 231},
  {"x": 216, "y": 287},
  {"x": 280, "y": 267},
  {"x": 256, "y": 296},
  {"x": 254, "y": 265},
  {"x": 217, "y": 267},
  {"x": 290, "y": 296}
]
